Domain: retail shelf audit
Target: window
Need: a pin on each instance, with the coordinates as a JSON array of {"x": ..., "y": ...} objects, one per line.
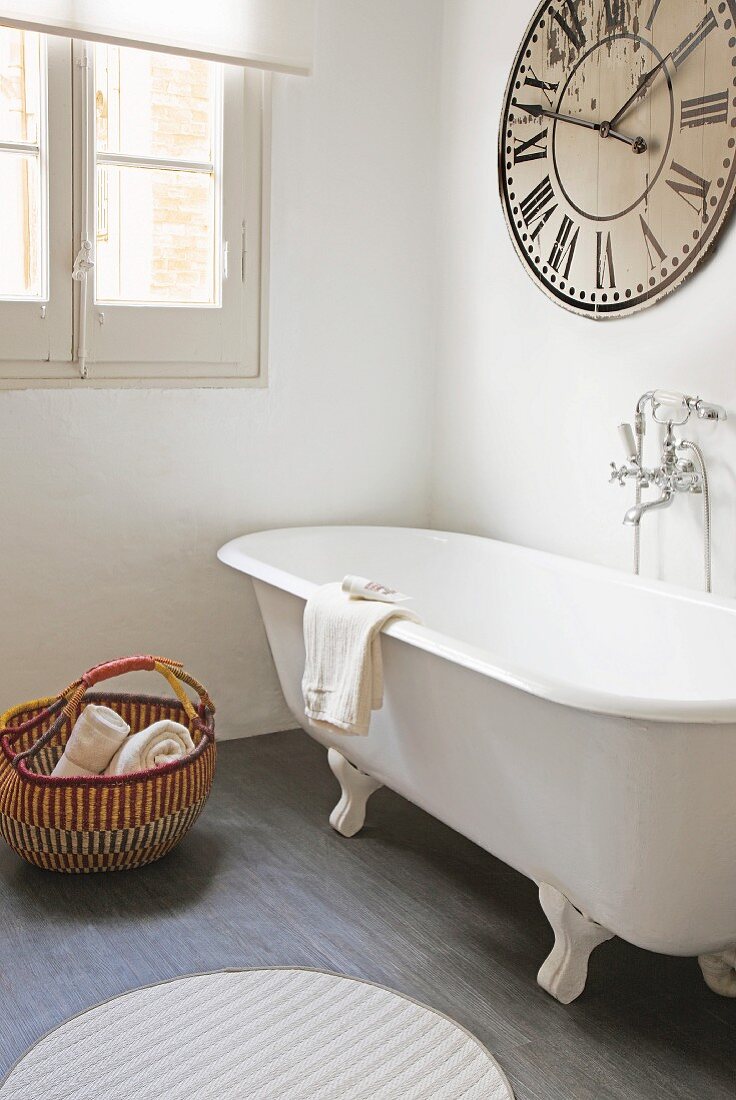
[
  {"x": 23, "y": 167},
  {"x": 35, "y": 206},
  {"x": 158, "y": 155},
  {"x": 141, "y": 175}
]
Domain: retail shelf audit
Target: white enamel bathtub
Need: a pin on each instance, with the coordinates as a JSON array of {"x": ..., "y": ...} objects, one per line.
[{"x": 578, "y": 723}]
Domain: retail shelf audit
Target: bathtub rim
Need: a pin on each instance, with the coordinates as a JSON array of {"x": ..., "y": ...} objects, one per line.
[{"x": 235, "y": 553}]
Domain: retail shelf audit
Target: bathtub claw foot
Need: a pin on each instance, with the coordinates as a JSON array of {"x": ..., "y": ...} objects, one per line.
[
  {"x": 719, "y": 972},
  {"x": 565, "y": 971},
  {"x": 348, "y": 817}
]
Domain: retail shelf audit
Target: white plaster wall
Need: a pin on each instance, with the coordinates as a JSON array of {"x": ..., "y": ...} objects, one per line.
[
  {"x": 115, "y": 502},
  {"x": 529, "y": 396}
]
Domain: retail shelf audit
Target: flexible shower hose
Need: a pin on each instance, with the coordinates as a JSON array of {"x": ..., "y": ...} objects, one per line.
[
  {"x": 639, "y": 429},
  {"x": 687, "y": 445}
]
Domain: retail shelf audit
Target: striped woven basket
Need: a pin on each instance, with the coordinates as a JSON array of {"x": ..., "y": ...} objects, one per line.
[{"x": 102, "y": 823}]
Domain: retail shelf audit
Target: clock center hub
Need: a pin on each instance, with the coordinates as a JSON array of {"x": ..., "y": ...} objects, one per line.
[{"x": 596, "y": 170}]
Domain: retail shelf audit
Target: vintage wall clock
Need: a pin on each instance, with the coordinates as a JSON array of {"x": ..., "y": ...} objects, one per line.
[{"x": 617, "y": 147}]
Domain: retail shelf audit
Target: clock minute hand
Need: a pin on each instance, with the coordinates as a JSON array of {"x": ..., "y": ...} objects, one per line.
[
  {"x": 605, "y": 129},
  {"x": 537, "y": 111},
  {"x": 643, "y": 87}
]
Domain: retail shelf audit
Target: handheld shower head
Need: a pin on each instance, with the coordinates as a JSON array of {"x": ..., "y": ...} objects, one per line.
[
  {"x": 710, "y": 412},
  {"x": 676, "y": 405},
  {"x": 680, "y": 407},
  {"x": 671, "y": 399}
]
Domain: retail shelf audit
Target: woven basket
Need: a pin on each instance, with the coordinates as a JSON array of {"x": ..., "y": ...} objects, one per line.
[{"x": 102, "y": 823}]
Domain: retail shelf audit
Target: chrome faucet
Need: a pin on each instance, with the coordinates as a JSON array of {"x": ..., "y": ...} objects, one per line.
[
  {"x": 675, "y": 473},
  {"x": 634, "y": 515}
]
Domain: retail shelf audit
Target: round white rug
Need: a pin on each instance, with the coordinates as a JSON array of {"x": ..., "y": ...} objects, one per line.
[{"x": 264, "y": 1034}]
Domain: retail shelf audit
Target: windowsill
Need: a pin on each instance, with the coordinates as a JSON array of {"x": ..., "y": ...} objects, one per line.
[{"x": 26, "y": 375}]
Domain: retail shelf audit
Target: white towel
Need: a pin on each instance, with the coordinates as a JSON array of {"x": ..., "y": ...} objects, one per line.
[
  {"x": 343, "y": 675},
  {"x": 160, "y": 743},
  {"x": 97, "y": 735}
]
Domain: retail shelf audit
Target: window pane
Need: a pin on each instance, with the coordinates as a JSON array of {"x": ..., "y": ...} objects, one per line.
[
  {"x": 155, "y": 236},
  {"x": 20, "y": 226},
  {"x": 154, "y": 104},
  {"x": 20, "y": 84}
]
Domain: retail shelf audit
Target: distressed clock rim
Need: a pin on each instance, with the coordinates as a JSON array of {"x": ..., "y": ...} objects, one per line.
[{"x": 599, "y": 310}]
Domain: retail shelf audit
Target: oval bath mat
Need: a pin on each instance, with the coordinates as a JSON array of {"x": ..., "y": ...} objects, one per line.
[{"x": 264, "y": 1034}]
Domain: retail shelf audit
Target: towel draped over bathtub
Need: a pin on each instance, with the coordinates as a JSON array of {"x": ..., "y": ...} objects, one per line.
[{"x": 343, "y": 675}]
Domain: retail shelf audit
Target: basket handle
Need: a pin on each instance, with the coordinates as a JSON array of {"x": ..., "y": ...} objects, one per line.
[
  {"x": 119, "y": 667},
  {"x": 172, "y": 671}
]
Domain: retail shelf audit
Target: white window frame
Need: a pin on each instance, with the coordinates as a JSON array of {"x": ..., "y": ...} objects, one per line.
[
  {"x": 148, "y": 345},
  {"x": 35, "y": 331}
]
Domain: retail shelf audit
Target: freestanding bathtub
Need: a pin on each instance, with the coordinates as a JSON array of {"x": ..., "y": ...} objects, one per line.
[{"x": 578, "y": 723}]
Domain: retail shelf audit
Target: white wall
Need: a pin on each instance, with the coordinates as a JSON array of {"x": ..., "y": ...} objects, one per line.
[
  {"x": 529, "y": 396},
  {"x": 115, "y": 502}
]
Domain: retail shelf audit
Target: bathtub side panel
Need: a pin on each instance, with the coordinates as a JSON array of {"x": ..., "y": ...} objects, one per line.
[{"x": 634, "y": 822}]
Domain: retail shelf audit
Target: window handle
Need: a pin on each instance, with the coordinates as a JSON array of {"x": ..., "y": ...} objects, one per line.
[
  {"x": 83, "y": 266},
  {"x": 226, "y": 259},
  {"x": 84, "y": 263}
]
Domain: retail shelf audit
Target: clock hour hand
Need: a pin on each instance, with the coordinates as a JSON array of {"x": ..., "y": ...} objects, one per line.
[
  {"x": 644, "y": 85},
  {"x": 605, "y": 129}
]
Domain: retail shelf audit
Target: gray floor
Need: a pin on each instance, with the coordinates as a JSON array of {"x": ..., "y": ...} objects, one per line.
[{"x": 263, "y": 880}]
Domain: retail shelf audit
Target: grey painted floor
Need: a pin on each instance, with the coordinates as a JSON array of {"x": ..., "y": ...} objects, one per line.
[{"x": 263, "y": 880}]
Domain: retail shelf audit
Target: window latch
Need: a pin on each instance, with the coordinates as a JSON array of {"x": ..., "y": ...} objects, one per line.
[
  {"x": 83, "y": 263},
  {"x": 82, "y": 267}
]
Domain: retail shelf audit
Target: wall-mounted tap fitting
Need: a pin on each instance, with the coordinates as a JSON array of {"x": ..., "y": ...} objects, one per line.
[{"x": 675, "y": 473}]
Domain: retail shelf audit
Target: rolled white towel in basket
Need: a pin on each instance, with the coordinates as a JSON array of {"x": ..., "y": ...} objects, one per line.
[
  {"x": 97, "y": 735},
  {"x": 161, "y": 743}
]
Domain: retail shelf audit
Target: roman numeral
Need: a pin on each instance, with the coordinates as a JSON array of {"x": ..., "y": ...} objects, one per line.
[
  {"x": 573, "y": 29},
  {"x": 531, "y": 149},
  {"x": 653, "y": 16},
  {"x": 615, "y": 14},
  {"x": 693, "y": 187},
  {"x": 693, "y": 40},
  {"x": 563, "y": 249},
  {"x": 544, "y": 86},
  {"x": 704, "y": 111},
  {"x": 604, "y": 264},
  {"x": 535, "y": 209},
  {"x": 654, "y": 248}
]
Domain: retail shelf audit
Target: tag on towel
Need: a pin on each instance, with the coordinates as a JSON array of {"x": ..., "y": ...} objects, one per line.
[{"x": 361, "y": 588}]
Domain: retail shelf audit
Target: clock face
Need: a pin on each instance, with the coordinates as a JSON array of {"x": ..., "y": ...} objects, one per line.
[{"x": 617, "y": 147}]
